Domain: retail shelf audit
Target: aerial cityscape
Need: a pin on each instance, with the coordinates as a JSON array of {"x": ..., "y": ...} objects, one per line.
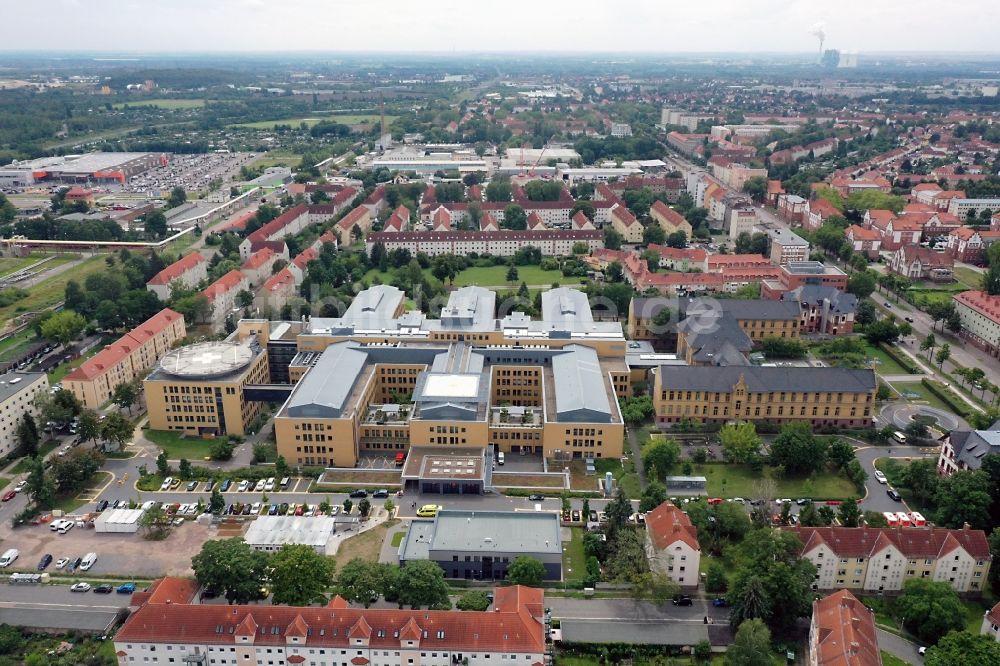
[{"x": 659, "y": 341}]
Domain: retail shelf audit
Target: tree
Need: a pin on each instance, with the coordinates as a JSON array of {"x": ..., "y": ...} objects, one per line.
[
  {"x": 63, "y": 327},
  {"x": 176, "y": 197},
  {"x": 155, "y": 224},
  {"x": 677, "y": 239},
  {"x": 184, "y": 469},
  {"x": 656, "y": 587},
  {"x": 943, "y": 354},
  {"x": 928, "y": 344},
  {"x": 357, "y": 580},
  {"x": 883, "y": 330},
  {"x": 840, "y": 453},
  {"x": 653, "y": 495},
  {"x": 756, "y": 187},
  {"x": 299, "y": 576},
  {"x": 216, "y": 502},
  {"x": 865, "y": 313},
  {"x": 654, "y": 233},
  {"x": 348, "y": 505},
  {"x": 861, "y": 284},
  {"x": 421, "y": 583},
  {"x": 740, "y": 442},
  {"x": 959, "y": 648},
  {"x": 512, "y": 274},
  {"x": 27, "y": 435},
  {"x": 612, "y": 239},
  {"x": 40, "y": 487},
  {"x": 772, "y": 581},
  {"x": 526, "y": 570},
  {"x": 617, "y": 512},
  {"x": 930, "y": 609},
  {"x": 155, "y": 523},
  {"x": 364, "y": 508},
  {"x": 89, "y": 426},
  {"x": 221, "y": 448},
  {"x": 797, "y": 449},
  {"x": 162, "y": 467},
  {"x": 232, "y": 568},
  {"x": 514, "y": 218},
  {"x": 751, "y": 647},
  {"x": 659, "y": 456},
  {"x": 715, "y": 577},
  {"x": 116, "y": 429},
  {"x": 281, "y": 469},
  {"x": 72, "y": 473},
  {"x": 964, "y": 497},
  {"x": 473, "y": 600},
  {"x": 850, "y": 513},
  {"x": 125, "y": 395}
]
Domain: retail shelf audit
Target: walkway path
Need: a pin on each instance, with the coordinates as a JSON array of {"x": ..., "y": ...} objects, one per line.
[{"x": 636, "y": 452}]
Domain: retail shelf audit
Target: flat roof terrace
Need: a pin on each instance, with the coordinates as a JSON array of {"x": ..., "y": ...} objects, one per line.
[{"x": 433, "y": 463}]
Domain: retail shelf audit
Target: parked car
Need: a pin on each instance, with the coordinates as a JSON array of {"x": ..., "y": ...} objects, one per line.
[
  {"x": 429, "y": 510},
  {"x": 210, "y": 485},
  {"x": 255, "y": 508},
  {"x": 682, "y": 601},
  {"x": 284, "y": 482},
  {"x": 126, "y": 588},
  {"x": 191, "y": 486},
  {"x": 273, "y": 510},
  {"x": 802, "y": 501},
  {"x": 247, "y": 508},
  {"x": 880, "y": 477},
  {"x": 175, "y": 484},
  {"x": 720, "y": 602},
  {"x": 44, "y": 562},
  {"x": 80, "y": 587},
  {"x": 269, "y": 484},
  {"x": 359, "y": 493},
  {"x": 380, "y": 493},
  {"x": 259, "y": 488},
  {"x": 62, "y": 562},
  {"x": 893, "y": 494},
  {"x": 715, "y": 500},
  {"x": 9, "y": 495},
  {"x": 244, "y": 485},
  {"x": 20, "y": 485},
  {"x": 104, "y": 589},
  {"x": 225, "y": 485},
  {"x": 102, "y": 505},
  {"x": 283, "y": 509},
  {"x": 536, "y": 497}
]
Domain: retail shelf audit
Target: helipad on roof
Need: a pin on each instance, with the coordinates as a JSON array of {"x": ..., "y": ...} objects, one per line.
[{"x": 207, "y": 359}]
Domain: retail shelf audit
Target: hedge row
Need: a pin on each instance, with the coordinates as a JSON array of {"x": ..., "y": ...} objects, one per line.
[
  {"x": 948, "y": 397},
  {"x": 902, "y": 359}
]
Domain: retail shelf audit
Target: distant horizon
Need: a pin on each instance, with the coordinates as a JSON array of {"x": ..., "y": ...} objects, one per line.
[
  {"x": 484, "y": 52},
  {"x": 517, "y": 26}
]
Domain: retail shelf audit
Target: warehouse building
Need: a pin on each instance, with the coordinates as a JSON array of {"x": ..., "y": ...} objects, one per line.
[
  {"x": 86, "y": 168},
  {"x": 480, "y": 545}
]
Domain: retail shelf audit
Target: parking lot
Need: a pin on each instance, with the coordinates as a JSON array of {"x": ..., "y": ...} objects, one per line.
[{"x": 192, "y": 172}]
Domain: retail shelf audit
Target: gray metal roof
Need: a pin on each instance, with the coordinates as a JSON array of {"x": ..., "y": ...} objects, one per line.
[
  {"x": 470, "y": 308},
  {"x": 636, "y": 632},
  {"x": 324, "y": 389},
  {"x": 840, "y": 302},
  {"x": 764, "y": 379},
  {"x": 376, "y": 302},
  {"x": 565, "y": 304},
  {"x": 496, "y": 532},
  {"x": 579, "y": 386},
  {"x": 786, "y": 237},
  {"x": 8, "y": 390}
]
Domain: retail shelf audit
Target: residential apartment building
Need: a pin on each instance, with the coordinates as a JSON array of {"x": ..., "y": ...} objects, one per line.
[
  {"x": 980, "y": 315},
  {"x": 672, "y": 546},
  {"x": 199, "y": 389},
  {"x": 96, "y": 379},
  {"x": 964, "y": 450},
  {"x": 963, "y": 209},
  {"x": 824, "y": 310},
  {"x": 624, "y": 222},
  {"x": 821, "y": 396},
  {"x": 187, "y": 271},
  {"x": 358, "y": 220},
  {"x": 991, "y": 623},
  {"x": 504, "y": 243},
  {"x": 801, "y": 273},
  {"x": 792, "y": 208},
  {"x": 786, "y": 246},
  {"x": 290, "y": 222},
  {"x": 864, "y": 241},
  {"x": 258, "y": 266},
  {"x": 842, "y": 633},
  {"x": 641, "y": 313},
  {"x": 669, "y": 220},
  {"x": 169, "y": 627},
  {"x": 221, "y": 296},
  {"x": 970, "y": 245},
  {"x": 742, "y": 221},
  {"x": 883, "y": 559},
  {"x": 18, "y": 391}
]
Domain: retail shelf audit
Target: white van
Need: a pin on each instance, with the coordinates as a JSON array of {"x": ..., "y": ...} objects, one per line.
[
  {"x": 899, "y": 437},
  {"x": 500, "y": 459},
  {"x": 88, "y": 561},
  {"x": 8, "y": 557}
]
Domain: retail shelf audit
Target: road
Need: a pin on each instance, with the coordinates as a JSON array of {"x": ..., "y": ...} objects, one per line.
[
  {"x": 899, "y": 647},
  {"x": 876, "y": 498}
]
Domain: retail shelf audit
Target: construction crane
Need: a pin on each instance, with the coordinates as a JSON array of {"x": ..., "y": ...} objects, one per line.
[{"x": 531, "y": 171}]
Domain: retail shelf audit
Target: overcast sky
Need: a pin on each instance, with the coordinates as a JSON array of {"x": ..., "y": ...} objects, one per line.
[{"x": 510, "y": 25}]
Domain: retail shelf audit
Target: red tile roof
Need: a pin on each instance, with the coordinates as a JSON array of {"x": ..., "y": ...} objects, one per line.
[
  {"x": 176, "y": 269},
  {"x": 258, "y": 259},
  {"x": 914, "y": 542},
  {"x": 269, "y": 230},
  {"x": 581, "y": 221},
  {"x": 172, "y": 590},
  {"x": 514, "y": 627},
  {"x": 113, "y": 354},
  {"x": 226, "y": 283},
  {"x": 535, "y": 221},
  {"x": 279, "y": 280},
  {"x": 981, "y": 302},
  {"x": 353, "y": 217},
  {"x": 624, "y": 216},
  {"x": 666, "y": 524},
  {"x": 671, "y": 215},
  {"x": 845, "y": 632},
  {"x": 862, "y": 234}
]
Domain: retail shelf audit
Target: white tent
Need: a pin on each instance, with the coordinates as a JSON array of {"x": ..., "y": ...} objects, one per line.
[{"x": 118, "y": 520}]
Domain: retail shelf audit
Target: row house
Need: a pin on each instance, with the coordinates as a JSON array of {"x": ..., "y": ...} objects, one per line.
[
  {"x": 187, "y": 271},
  {"x": 817, "y": 212},
  {"x": 669, "y": 220},
  {"x": 922, "y": 263},
  {"x": 168, "y": 626},
  {"x": 360, "y": 218},
  {"x": 684, "y": 260},
  {"x": 879, "y": 560},
  {"x": 95, "y": 380},
  {"x": 221, "y": 296},
  {"x": 505, "y": 243},
  {"x": 970, "y": 245},
  {"x": 292, "y": 221},
  {"x": 864, "y": 241}
]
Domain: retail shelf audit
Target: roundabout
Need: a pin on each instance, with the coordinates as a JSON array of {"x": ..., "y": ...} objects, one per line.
[{"x": 901, "y": 414}]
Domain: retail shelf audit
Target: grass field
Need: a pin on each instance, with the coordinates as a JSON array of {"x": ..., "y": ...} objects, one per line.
[
  {"x": 10, "y": 265},
  {"x": 493, "y": 276},
  {"x": 925, "y": 395},
  {"x": 574, "y": 561},
  {"x": 971, "y": 278},
  {"x": 171, "y": 104},
  {"x": 726, "y": 480},
  {"x": 13, "y": 346},
  {"x": 365, "y": 546},
  {"x": 884, "y": 364},
  {"x": 49, "y": 292},
  {"x": 926, "y": 297},
  {"x": 278, "y": 158},
  {"x": 177, "y": 447}
]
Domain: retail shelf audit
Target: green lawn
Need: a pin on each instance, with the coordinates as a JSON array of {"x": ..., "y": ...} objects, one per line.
[
  {"x": 728, "y": 480},
  {"x": 893, "y": 660},
  {"x": 884, "y": 364},
  {"x": 397, "y": 539},
  {"x": 177, "y": 446},
  {"x": 15, "y": 345},
  {"x": 44, "y": 450},
  {"x": 574, "y": 561},
  {"x": 171, "y": 104},
  {"x": 972, "y": 279},
  {"x": 10, "y": 265},
  {"x": 49, "y": 292},
  {"x": 925, "y": 297},
  {"x": 278, "y": 158},
  {"x": 493, "y": 276},
  {"x": 925, "y": 395},
  {"x": 625, "y": 475}
]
